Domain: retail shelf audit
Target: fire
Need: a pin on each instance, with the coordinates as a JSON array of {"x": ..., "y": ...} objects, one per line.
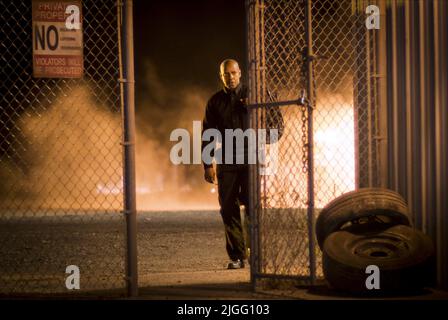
[
  {"x": 334, "y": 157},
  {"x": 334, "y": 160}
]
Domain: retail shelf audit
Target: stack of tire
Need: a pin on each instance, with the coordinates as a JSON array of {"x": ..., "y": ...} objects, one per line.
[{"x": 371, "y": 226}]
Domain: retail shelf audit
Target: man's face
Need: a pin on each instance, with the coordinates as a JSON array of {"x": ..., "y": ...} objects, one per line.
[{"x": 230, "y": 75}]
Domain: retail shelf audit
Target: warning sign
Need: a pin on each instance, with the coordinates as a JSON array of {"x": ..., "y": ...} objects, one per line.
[{"x": 57, "y": 39}]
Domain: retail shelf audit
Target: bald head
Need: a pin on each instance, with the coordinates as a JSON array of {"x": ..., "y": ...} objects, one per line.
[{"x": 230, "y": 73}]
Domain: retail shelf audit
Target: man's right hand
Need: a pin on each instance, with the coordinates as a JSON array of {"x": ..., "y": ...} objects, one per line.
[{"x": 210, "y": 175}]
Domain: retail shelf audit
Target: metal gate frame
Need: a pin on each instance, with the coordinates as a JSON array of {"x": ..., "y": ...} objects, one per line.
[{"x": 257, "y": 89}]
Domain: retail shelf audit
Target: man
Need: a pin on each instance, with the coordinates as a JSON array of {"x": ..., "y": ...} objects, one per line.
[{"x": 226, "y": 110}]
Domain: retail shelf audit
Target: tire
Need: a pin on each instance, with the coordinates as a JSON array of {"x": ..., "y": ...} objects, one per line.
[
  {"x": 363, "y": 204},
  {"x": 405, "y": 258}
]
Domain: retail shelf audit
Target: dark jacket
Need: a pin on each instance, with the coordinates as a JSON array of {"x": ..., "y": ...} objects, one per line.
[{"x": 226, "y": 110}]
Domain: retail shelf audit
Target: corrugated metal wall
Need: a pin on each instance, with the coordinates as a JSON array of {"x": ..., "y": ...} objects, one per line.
[{"x": 414, "y": 113}]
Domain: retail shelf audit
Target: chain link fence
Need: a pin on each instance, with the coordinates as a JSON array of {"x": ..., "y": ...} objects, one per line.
[
  {"x": 61, "y": 160},
  {"x": 345, "y": 122},
  {"x": 346, "y": 114}
]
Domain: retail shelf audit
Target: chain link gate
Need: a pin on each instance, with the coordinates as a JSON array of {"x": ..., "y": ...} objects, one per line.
[
  {"x": 61, "y": 162},
  {"x": 328, "y": 146}
]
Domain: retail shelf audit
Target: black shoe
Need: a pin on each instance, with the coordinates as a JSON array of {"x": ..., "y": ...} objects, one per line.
[{"x": 236, "y": 264}]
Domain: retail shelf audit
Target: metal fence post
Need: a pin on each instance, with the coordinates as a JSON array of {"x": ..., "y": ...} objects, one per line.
[
  {"x": 130, "y": 209},
  {"x": 310, "y": 187},
  {"x": 252, "y": 206},
  {"x": 383, "y": 99}
]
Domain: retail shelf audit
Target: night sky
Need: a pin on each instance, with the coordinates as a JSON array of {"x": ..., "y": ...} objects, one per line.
[{"x": 186, "y": 40}]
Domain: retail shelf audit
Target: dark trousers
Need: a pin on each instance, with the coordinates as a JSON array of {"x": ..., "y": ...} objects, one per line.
[{"x": 233, "y": 192}]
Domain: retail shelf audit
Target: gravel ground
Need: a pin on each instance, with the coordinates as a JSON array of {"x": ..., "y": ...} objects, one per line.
[
  {"x": 173, "y": 248},
  {"x": 181, "y": 255}
]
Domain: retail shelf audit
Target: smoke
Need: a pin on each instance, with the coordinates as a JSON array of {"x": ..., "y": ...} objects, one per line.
[
  {"x": 162, "y": 108},
  {"x": 72, "y": 158}
]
